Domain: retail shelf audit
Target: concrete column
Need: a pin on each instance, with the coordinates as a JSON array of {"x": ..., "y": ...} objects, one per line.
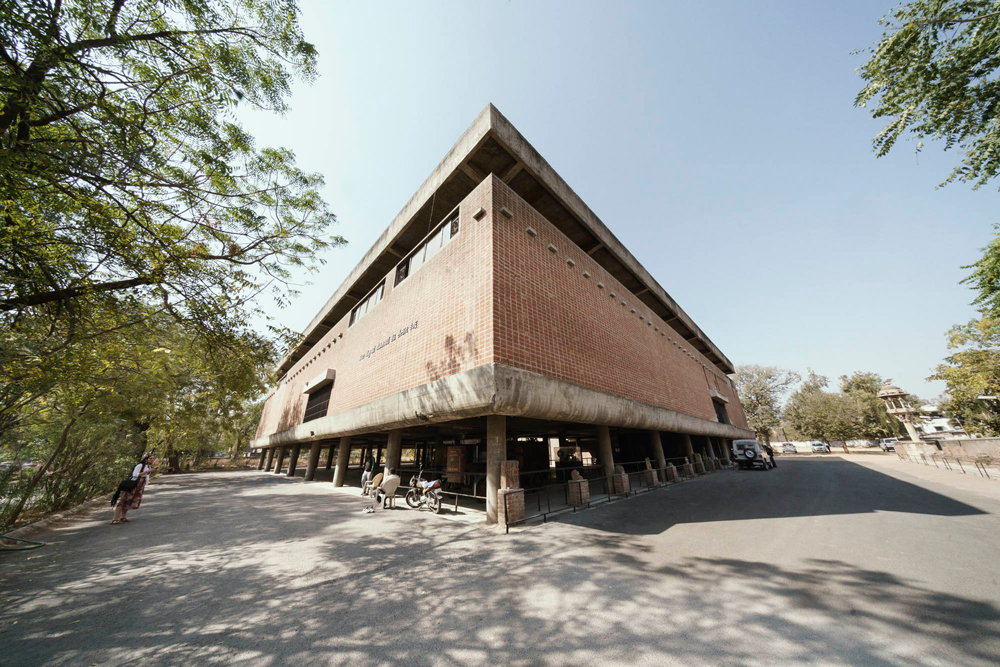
[
  {"x": 260, "y": 464},
  {"x": 313, "y": 461},
  {"x": 725, "y": 445},
  {"x": 329, "y": 458},
  {"x": 496, "y": 452},
  {"x": 661, "y": 461},
  {"x": 688, "y": 447},
  {"x": 394, "y": 451},
  {"x": 293, "y": 460},
  {"x": 710, "y": 446},
  {"x": 343, "y": 459},
  {"x": 279, "y": 459},
  {"x": 605, "y": 452},
  {"x": 270, "y": 459}
]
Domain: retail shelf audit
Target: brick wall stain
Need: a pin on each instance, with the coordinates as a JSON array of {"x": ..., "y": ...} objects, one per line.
[{"x": 551, "y": 319}]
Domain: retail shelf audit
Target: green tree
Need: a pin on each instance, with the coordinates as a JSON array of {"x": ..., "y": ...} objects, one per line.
[
  {"x": 933, "y": 75},
  {"x": 822, "y": 415},
  {"x": 761, "y": 390},
  {"x": 875, "y": 421},
  {"x": 972, "y": 372},
  {"x": 128, "y": 186}
]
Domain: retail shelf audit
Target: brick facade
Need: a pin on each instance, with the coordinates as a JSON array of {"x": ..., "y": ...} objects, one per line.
[
  {"x": 449, "y": 299},
  {"x": 557, "y": 312},
  {"x": 498, "y": 293}
]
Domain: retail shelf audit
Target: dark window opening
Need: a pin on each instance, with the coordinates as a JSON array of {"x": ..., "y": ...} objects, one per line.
[
  {"x": 720, "y": 412},
  {"x": 436, "y": 240},
  {"x": 319, "y": 400}
]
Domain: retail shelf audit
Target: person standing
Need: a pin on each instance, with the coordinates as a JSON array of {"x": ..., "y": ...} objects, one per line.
[{"x": 130, "y": 500}]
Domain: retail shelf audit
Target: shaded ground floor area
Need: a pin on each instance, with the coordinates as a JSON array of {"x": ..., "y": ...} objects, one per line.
[
  {"x": 825, "y": 560},
  {"x": 548, "y": 456}
]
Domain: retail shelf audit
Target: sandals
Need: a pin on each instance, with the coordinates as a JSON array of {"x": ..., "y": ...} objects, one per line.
[{"x": 115, "y": 522}]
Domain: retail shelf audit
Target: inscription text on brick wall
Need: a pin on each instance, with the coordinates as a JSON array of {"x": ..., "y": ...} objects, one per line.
[{"x": 399, "y": 334}]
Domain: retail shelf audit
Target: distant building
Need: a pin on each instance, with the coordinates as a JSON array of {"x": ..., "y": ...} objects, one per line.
[
  {"x": 495, "y": 313},
  {"x": 932, "y": 424}
]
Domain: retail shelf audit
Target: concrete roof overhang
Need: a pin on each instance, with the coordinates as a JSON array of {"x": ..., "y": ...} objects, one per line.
[{"x": 492, "y": 145}]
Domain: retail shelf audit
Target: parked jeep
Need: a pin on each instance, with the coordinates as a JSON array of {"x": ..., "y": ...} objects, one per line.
[{"x": 748, "y": 454}]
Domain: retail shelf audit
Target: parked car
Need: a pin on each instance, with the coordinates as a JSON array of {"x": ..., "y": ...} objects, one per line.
[
  {"x": 820, "y": 447},
  {"x": 888, "y": 444},
  {"x": 788, "y": 448},
  {"x": 748, "y": 455}
]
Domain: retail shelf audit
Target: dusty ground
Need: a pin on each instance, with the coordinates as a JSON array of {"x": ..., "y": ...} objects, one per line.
[{"x": 825, "y": 560}]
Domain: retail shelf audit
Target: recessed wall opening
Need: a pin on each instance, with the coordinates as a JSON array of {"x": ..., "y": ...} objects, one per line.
[
  {"x": 720, "y": 412},
  {"x": 319, "y": 400}
]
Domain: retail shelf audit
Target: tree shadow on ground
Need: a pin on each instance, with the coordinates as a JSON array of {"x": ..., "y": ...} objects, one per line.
[{"x": 257, "y": 572}]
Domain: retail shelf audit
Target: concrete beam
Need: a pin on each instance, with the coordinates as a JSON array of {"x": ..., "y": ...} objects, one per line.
[{"x": 498, "y": 389}]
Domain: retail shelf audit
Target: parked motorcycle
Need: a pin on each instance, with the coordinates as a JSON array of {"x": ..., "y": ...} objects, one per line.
[{"x": 424, "y": 493}]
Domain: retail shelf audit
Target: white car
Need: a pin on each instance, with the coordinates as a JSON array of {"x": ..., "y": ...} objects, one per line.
[
  {"x": 888, "y": 444},
  {"x": 748, "y": 455},
  {"x": 820, "y": 447}
]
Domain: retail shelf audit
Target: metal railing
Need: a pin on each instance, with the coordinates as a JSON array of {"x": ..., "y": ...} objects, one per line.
[
  {"x": 601, "y": 492},
  {"x": 983, "y": 466}
]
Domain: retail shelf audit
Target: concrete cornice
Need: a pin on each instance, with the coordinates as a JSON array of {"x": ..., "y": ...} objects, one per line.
[{"x": 495, "y": 389}]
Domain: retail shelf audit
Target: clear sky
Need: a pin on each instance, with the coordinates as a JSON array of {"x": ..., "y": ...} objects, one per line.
[{"x": 718, "y": 141}]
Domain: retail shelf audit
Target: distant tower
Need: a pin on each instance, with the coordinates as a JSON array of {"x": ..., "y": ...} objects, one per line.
[{"x": 897, "y": 406}]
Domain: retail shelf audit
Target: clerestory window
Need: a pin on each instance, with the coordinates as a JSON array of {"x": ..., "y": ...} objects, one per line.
[
  {"x": 367, "y": 303},
  {"x": 434, "y": 241}
]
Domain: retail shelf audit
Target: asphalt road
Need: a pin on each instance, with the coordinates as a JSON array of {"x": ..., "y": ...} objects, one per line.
[{"x": 821, "y": 561}]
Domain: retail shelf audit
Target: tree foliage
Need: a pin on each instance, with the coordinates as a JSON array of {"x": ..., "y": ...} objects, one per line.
[
  {"x": 971, "y": 372},
  {"x": 761, "y": 390},
  {"x": 874, "y": 421},
  {"x": 823, "y": 415},
  {"x": 933, "y": 75},
  {"x": 139, "y": 224}
]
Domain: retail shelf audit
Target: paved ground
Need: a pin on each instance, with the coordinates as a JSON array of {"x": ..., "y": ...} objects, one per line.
[{"x": 824, "y": 560}]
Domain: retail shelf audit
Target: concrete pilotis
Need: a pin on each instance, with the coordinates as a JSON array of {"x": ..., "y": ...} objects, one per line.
[
  {"x": 293, "y": 460},
  {"x": 688, "y": 447},
  {"x": 394, "y": 451},
  {"x": 710, "y": 447},
  {"x": 606, "y": 453},
  {"x": 725, "y": 446},
  {"x": 270, "y": 459},
  {"x": 260, "y": 464},
  {"x": 279, "y": 459},
  {"x": 313, "y": 461},
  {"x": 329, "y": 458},
  {"x": 343, "y": 459},
  {"x": 496, "y": 451},
  {"x": 661, "y": 460}
]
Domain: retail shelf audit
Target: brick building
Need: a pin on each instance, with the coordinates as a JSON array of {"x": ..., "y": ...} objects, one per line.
[{"x": 497, "y": 318}]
